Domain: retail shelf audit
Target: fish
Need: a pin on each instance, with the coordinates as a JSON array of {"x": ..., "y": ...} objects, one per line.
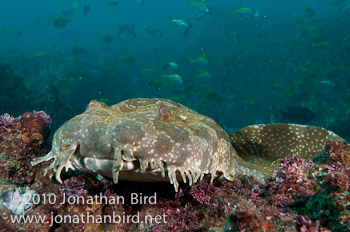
[
  {"x": 346, "y": 7},
  {"x": 75, "y": 4},
  {"x": 321, "y": 43},
  {"x": 240, "y": 56},
  {"x": 104, "y": 38},
  {"x": 297, "y": 114},
  {"x": 204, "y": 75},
  {"x": 170, "y": 65},
  {"x": 264, "y": 145},
  {"x": 246, "y": 12},
  {"x": 140, "y": 2},
  {"x": 78, "y": 50},
  {"x": 113, "y": 3},
  {"x": 105, "y": 47},
  {"x": 126, "y": 60},
  {"x": 175, "y": 78},
  {"x": 309, "y": 12},
  {"x": 145, "y": 69},
  {"x": 154, "y": 140},
  {"x": 236, "y": 35},
  {"x": 61, "y": 22},
  {"x": 327, "y": 82},
  {"x": 338, "y": 2},
  {"x": 87, "y": 8},
  {"x": 40, "y": 54},
  {"x": 201, "y": 7},
  {"x": 155, "y": 32},
  {"x": 13, "y": 29},
  {"x": 126, "y": 32},
  {"x": 201, "y": 60},
  {"x": 182, "y": 23}
]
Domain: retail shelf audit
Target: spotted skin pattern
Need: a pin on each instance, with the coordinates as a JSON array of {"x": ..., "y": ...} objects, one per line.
[
  {"x": 262, "y": 146},
  {"x": 142, "y": 140},
  {"x": 149, "y": 140}
]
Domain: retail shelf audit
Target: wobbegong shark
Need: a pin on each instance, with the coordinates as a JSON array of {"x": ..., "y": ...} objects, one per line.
[{"x": 151, "y": 140}]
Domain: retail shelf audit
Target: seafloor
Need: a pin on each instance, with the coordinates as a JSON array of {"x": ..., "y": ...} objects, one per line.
[{"x": 303, "y": 195}]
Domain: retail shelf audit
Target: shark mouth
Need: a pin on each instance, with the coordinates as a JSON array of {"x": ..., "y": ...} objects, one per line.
[{"x": 137, "y": 170}]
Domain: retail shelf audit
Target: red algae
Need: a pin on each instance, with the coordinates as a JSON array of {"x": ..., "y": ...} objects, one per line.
[
  {"x": 21, "y": 139},
  {"x": 303, "y": 195}
]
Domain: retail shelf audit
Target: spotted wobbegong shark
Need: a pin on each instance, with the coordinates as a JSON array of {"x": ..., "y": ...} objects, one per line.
[{"x": 150, "y": 140}]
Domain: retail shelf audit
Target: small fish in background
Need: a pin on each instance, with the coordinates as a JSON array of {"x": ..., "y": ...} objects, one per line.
[
  {"x": 39, "y": 54},
  {"x": 182, "y": 23},
  {"x": 246, "y": 12},
  {"x": 126, "y": 60},
  {"x": 14, "y": 30},
  {"x": 200, "y": 60},
  {"x": 126, "y": 32},
  {"x": 140, "y": 2},
  {"x": 113, "y": 3},
  {"x": 61, "y": 22},
  {"x": 147, "y": 70},
  {"x": 154, "y": 32},
  {"x": 338, "y": 2},
  {"x": 105, "y": 48},
  {"x": 309, "y": 12},
  {"x": 170, "y": 65},
  {"x": 87, "y": 8},
  {"x": 204, "y": 75},
  {"x": 244, "y": 54},
  {"x": 321, "y": 43},
  {"x": 78, "y": 50},
  {"x": 175, "y": 78},
  {"x": 327, "y": 82},
  {"x": 297, "y": 114},
  {"x": 105, "y": 100},
  {"x": 201, "y": 7},
  {"x": 104, "y": 38},
  {"x": 346, "y": 7},
  {"x": 235, "y": 35},
  {"x": 75, "y": 4}
]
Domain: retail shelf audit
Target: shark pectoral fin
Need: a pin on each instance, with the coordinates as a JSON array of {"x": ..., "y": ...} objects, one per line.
[{"x": 264, "y": 145}]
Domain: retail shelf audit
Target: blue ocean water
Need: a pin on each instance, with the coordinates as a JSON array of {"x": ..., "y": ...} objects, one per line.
[{"x": 239, "y": 62}]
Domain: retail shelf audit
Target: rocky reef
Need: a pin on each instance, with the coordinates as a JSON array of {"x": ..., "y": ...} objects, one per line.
[
  {"x": 22, "y": 139},
  {"x": 302, "y": 195}
]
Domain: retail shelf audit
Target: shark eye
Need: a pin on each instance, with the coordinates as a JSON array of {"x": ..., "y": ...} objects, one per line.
[{"x": 164, "y": 113}]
